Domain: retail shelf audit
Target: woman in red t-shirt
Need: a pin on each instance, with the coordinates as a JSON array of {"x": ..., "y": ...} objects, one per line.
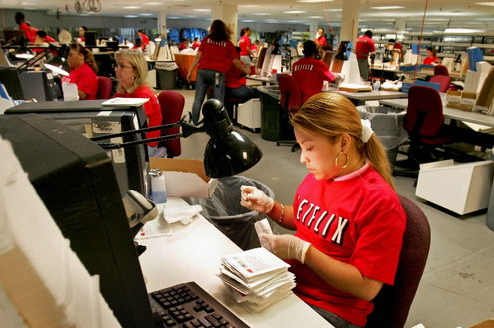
[
  {"x": 132, "y": 70},
  {"x": 348, "y": 219},
  {"x": 431, "y": 58},
  {"x": 83, "y": 70},
  {"x": 214, "y": 56}
]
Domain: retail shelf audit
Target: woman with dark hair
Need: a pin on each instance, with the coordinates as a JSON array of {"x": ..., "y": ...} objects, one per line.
[
  {"x": 214, "y": 57},
  {"x": 82, "y": 32},
  {"x": 348, "y": 219},
  {"x": 83, "y": 70},
  {"x": 431, "y": 58}
]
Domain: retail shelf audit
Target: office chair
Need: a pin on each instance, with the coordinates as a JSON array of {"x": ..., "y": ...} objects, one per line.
[
  {"x": 105, "y": 88},
  {"x": 172, "y": 105},
  {"x": 441, "y": 70},
  {"x": 443, "y": 80},
  {"x": 290, "y": 102},
  {"x": 392, "y": 303},
  {"x": 424, "y": 123}
]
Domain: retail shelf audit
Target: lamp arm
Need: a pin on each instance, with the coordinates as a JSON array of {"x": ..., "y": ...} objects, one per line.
[
  {"x": 138, "y": 142},
  {"x": 33, "y": 60}
]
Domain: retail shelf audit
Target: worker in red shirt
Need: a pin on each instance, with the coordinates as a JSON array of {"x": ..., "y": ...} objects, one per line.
[
  {"x": 183, "y": 45},
  {"x": 310, "y": 73},
  {"x": 196, "y": 43},
  {"x": 363, "y": 47},
  {"x": 83, "y": 70},
  {"x": 29, "y": 32},
  {"x": 144, "y": 39},
  {"x": 431, "y": 58},
  {"x": 245, "y": 46},
  {"x": 320, "y": 39},
  {"x": 236, "y": 83}
]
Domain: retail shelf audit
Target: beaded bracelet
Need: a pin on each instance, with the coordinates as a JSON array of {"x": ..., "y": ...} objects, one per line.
[{"x": 280, "y": 220}]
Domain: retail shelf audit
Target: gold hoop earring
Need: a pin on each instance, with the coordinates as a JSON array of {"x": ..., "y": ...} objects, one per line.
[{"x": 336, "y": 160}]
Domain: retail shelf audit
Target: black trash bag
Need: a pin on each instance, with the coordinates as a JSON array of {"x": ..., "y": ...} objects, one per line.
[{"x": 224, "y": 211}]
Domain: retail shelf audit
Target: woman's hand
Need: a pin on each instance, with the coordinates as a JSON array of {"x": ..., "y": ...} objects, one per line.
[
  {"x": 189, "y": 73},
  {"x": 255, "y": 199},
  {"x": 286, "y": 247}
]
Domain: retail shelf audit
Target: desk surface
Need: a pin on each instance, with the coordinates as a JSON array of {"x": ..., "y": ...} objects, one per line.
[
  {"x": 452, "y": 113},
  {"x": 372, "y": 95},
  {"x": 193, "y": 253}
]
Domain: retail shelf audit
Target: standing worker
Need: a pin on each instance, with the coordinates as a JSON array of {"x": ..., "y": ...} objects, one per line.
[
  {"x": 320, "y": 39},
  {"x": 348, "y": 219},
  {"x": 245, "y": 47},
  {"x": 29, "y": 32},
  {"x": 214, "y": 57},
  {"x": 363, "y": 47},
  {"x": 310, "y": 73},
  {"x": 144, "y": 39}
]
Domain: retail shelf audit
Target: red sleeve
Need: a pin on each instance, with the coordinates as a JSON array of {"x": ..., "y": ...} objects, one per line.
[
  {"x": 28, "y": 33},
  {"x": 372, "y": 46},
  {"x": 232, "y": 52},
  {"x": 378, "y": 247},
  {"x": 324, "y": 69}
]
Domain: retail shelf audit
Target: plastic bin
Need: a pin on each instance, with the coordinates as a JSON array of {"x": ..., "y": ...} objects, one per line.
[
  {"x": 223, "y": 209},
  {"x": 387, "y": 123},
  {"x": 166, "y": 75}
]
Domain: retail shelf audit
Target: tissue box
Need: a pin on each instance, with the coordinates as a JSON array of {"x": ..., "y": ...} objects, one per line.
[
  {"x": 461, "y": 188},
  {"x": 184, "y": 177}
]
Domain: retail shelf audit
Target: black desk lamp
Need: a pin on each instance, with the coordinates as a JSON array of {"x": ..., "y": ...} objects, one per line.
[{"x": 227, "y": 153}]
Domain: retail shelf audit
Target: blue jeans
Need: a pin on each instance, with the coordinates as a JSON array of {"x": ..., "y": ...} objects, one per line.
[
  {"x": 244, "y": 92},
  {"x": 206, "y": 78},
  {"x": 333, "y": 318}
]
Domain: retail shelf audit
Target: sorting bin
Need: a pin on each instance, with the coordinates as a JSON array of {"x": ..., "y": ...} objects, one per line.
[
  {"x": 387, "y": 123},
  {"x": 166, "y": 75},
  {"x": 224, "y": 211}
]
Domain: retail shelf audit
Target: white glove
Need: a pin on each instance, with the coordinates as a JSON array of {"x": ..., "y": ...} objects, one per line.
[
  {"x": 286, "y": 247},
  {"x": 255, "y": 199}
]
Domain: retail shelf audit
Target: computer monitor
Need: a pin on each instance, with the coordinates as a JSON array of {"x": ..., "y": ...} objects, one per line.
[
  {"x": 271, "y": 61},
  {"x": 90, "y": 39},
  {"x": 260, "y": 60},
  {"x": 10, "y": 79},
  {"x": 40, "y": 85},
  {"x": 75, "y": 179},
  {"x": 13, "y": 36},
  {"x": 91, "y": 119}
]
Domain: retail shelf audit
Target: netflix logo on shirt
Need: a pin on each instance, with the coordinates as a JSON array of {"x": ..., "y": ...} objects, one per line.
[
  {"x": 322, "y": 223},
  {"x": 217, "y": 43},
  {"x": 304, "y": 67}
]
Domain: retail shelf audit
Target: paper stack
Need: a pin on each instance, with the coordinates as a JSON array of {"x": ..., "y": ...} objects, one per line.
[
  {"x": 42, "y": 281},
  {"x": 257, "y": 278}
]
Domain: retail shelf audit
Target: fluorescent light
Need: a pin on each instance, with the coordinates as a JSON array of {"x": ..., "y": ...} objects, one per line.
[
  {"x": 387, "y": 7},
  {"x": 315, "y": 17},
  {"x": 334, "y": 9},
  {"x": 202, "y": 9},
  {"x": 462, "y": 30},
  {"x": 154, "y": 3},
  {"x": 132, "y": 7},
  {"x": 262, "y": 14},
  {"x": 247, "y": 20},
  {"x": 146, "y": 14},
  {"x": 131, "y": 16},
  {"x": 313, "y": 1},
  {"x": 295, "y": 12},
  {"x": 485, "y": 3}
]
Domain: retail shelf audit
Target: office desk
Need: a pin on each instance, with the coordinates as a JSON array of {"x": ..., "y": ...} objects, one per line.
[
  {"x": 193, "y": 253},
  {"x": 361, "y": 97},
  {"x": 448, "y": 112},
  {"x": 264, "y": 79}
]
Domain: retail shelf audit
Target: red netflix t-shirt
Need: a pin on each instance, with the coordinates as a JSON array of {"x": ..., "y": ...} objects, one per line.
[
  {"x": 235, "y": 78},
  {"x": 310, "y": 73},
  {"x": 152, "y": 109},
  {"x": 356, "y": 219},
  {"x": 86, "y": 80},
  {"x": 29, "y": 33},
  {"x": 244, "y": 44},
  {"x": 364, "y": 46},
  {"x": 431, "y": 60},
  {"x": 217, "y": 55}
]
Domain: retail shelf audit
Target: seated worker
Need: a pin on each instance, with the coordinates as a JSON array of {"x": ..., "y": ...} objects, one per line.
[
  {"x": 132, "y": 70},
  {"x": 310, "y": 73},
  {"x": 82, "y": 34},
  {"x": 196, "y": 43},
  {"x": 183, "y": 45},
  {"x": 236, "y": 83},
  {"x": 138, "y": 44},
  {"x": 348, "y": 219},
  {"x": 42, "y": 37},
  {"x": 144, "y": 40},
  {"x": 431, "y": 58},
  {"x": 83, "y": 70}
]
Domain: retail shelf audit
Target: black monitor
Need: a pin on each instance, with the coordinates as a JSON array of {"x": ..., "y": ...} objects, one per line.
[
  {"x": 40, "y": 85},
  {"x": 90, "y": 39},
  {"x": 13, "y": 36},
  {"x": 9, "y": 77},
  {"x": 75, "y": 179},
  {"x": 91, "y": 118}
]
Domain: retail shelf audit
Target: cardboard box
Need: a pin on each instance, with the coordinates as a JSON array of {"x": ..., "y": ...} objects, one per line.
[
  {"x": 461, "y": 188},
  {"x": 484, "y": 324},
  {"x": 249, "y": 114},
  {"x": 461, "y": 99},
  {"x": 184, "y": 177}
]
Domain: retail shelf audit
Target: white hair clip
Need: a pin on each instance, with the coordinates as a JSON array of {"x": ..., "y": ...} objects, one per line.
[{"x": 366, "y": 131}]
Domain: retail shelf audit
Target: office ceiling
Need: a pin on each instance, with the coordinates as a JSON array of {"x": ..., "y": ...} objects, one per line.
[{"x": 440, "y": 14}]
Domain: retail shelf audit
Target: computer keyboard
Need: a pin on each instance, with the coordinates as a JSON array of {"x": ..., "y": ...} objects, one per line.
[{"x": 187, "y": 305}]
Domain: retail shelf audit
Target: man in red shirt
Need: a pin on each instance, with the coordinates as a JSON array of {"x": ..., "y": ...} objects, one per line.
[
  {"x": 245, "y": 47},
  {"x": 144, "y": 39},
  {"x": 29, "y": 32},
  {"x": 310, "y": 73},
  {"x": 363, "y": 47},
  {"x": 320, "y": 39}
]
